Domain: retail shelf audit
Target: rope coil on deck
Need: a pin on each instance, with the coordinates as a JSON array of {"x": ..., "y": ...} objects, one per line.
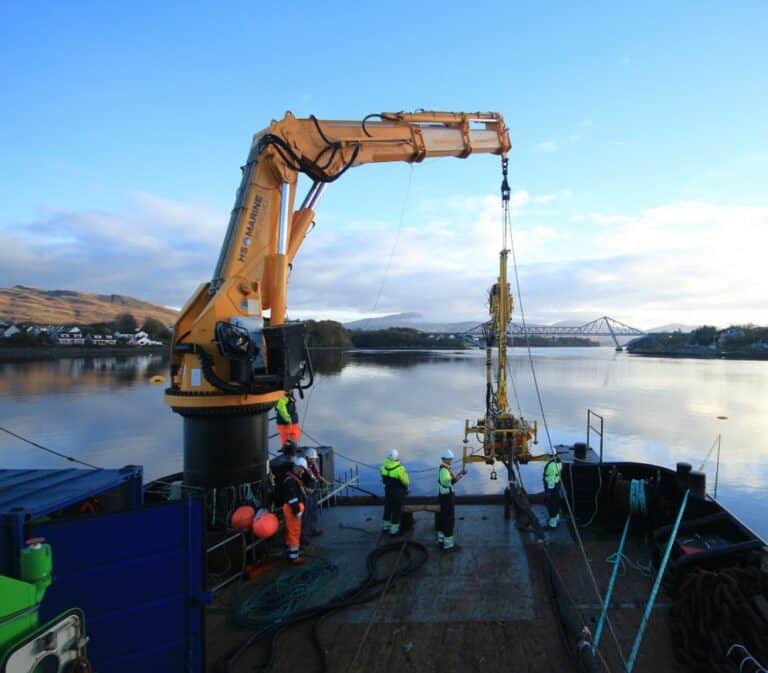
[
  {"x": 285, "y": 595},
  {"x": 717, "y": 609}
]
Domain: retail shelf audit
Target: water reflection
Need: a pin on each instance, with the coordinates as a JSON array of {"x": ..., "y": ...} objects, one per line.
[
  {"x": 364, "y": 403},
  {"x": 35, "y": 378},
  {"x": 332, "y": 361}
]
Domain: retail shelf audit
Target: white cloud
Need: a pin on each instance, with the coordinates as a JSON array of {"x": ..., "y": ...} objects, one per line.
[
  {"x": 159, "y": 250},
  {"x": 546, "y": 146},
  {"x": 688, "y": 262}
]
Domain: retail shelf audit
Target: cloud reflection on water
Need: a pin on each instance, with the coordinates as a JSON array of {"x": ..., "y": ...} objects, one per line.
[{"x": 365, "y": 403}]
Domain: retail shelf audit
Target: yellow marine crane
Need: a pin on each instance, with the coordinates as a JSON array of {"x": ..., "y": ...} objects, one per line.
[
  {"x": 502, "y": 435},
  {"x": 230, "y": 361}
]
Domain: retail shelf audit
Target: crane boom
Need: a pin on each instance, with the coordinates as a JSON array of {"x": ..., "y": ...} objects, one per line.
[{"x": 226, "y": 364}]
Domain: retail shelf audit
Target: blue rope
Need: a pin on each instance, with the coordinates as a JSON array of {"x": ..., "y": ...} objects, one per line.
[
  {"x": 607, "y": 600},
  {"x": 637, "y": 496},
  {"x": 637, "y": 505},
  {"x": 656, "y": 585}
]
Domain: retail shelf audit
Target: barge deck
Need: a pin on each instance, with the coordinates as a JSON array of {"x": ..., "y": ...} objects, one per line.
[{"x": 487, "y": 607}]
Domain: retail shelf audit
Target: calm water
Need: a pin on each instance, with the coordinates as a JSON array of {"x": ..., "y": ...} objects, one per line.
[{"x": 105, "y": 411}]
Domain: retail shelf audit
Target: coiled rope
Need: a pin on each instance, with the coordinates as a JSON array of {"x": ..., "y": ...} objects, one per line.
[
  {"x": 716, "y": 610},
  {"x": 285, "y": 595}
]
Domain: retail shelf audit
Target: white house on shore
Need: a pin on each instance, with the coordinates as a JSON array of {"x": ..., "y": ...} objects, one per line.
[
  {"x": 9, "y": 331},
  {"x": 71, "y": 337}
]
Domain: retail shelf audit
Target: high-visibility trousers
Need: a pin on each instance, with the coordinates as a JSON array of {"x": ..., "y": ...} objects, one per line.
[
  {"x": 289, "y": 431},
  {"x": 292, "y": 530}
]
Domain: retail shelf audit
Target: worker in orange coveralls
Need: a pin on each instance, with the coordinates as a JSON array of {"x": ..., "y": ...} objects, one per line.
[{"x": 293, "y": 508}]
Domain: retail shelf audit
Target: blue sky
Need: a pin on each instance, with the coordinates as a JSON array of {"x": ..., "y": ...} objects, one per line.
[{"x": 639, "y": 162}]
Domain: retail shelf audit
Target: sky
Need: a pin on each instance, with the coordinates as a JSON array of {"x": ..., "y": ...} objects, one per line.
[{"x": 639, "y": 163}]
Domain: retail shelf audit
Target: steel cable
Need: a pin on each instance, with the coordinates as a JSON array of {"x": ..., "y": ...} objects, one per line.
[{"x": 508, "y": 227}]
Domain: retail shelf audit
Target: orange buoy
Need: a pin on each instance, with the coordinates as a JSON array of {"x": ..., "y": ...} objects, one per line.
[
  {"x": 242, "y": 517},
  {"x": 265, "y": 526}
]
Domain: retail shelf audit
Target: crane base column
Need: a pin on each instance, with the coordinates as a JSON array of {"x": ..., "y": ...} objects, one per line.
[{"x": 225, "y": 450}]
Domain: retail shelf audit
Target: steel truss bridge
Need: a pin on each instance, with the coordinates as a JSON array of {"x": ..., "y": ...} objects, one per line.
[{"x": 604, "y": 326}]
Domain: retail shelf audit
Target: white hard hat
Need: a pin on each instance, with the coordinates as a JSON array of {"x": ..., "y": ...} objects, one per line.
[
  {"x": 394, "y": 454},
  {"x": 301, "y": 462},
  {"x": 310, "y": 453},
  {"x": 447, "y": 455}
]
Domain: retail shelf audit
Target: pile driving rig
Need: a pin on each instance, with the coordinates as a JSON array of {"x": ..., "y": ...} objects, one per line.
[{"x": 503, "y": 436}]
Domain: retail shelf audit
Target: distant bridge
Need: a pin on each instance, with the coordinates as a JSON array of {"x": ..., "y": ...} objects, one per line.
[{"x": 604, "y": 326}]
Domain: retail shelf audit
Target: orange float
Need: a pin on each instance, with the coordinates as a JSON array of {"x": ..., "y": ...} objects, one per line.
[
  {"x": 265, "y": 526},
  {"x": 242, "y": 517}
]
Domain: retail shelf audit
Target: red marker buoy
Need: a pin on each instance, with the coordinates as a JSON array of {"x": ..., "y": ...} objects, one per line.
[
  {"x": 265, "y": 526},
  {"x": 242, "y": 517}
]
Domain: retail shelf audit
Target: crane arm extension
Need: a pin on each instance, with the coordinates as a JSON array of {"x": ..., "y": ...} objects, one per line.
[{"x": 265, "y": 233}]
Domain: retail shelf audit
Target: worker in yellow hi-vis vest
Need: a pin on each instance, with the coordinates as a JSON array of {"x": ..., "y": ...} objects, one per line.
[
  {"x": 288, "y": 418},
  {"x": 552, "y": 471},
  {"x": 396, "y": 483},
  {"x": 446, "y": 518}
]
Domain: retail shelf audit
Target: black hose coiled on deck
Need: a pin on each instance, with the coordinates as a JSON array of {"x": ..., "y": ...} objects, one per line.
[{"x": 414, "y": 555}]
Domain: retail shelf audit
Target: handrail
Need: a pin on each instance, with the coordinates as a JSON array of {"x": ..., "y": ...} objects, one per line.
[{"x": 599, "y": 432}]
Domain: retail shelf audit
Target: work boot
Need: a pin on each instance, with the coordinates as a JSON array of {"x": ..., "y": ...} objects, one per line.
[
  {"x": 298, "y": 561},
  {"x": 397, "y": 533},
  {"x": 451, "y": 550}
]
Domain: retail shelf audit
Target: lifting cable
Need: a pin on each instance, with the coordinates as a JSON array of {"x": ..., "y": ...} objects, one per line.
[
  {"x": 71, "y": 459},
  {"x": 505, "y": 191},
  {"x": 511, "y": 380},
  {"x": 397, "y": 238},
  {"x": 360, "y": 463}
]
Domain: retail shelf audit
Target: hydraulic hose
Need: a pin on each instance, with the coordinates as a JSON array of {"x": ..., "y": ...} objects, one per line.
[{"x": 372, "y": 587}]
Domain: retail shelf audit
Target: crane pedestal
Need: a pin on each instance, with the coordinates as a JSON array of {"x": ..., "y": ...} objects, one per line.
[{"x": 225, "y": 450}]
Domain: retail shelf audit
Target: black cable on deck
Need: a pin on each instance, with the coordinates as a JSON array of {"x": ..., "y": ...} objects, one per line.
[{"x": 372, "y": 587}]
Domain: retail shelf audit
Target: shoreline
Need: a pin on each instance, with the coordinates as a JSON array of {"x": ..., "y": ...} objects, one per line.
[
  {"x": 42, "y": 353},
  {"x": 724, "y": 355}
]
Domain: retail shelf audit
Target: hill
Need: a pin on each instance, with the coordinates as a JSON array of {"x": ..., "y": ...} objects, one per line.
[
  {"x": 58, "y": 307},
  {"x": 673, "y": 327},
  {"x": 409, "y": 321}
]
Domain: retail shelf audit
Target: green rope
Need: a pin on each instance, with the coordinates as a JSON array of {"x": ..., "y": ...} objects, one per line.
[{"x": 285, "y": 595}]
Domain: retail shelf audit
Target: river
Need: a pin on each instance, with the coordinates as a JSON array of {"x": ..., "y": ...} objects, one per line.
[{"x": 105, "y": 411}]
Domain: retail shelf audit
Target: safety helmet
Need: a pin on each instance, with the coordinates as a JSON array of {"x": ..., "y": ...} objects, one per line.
[
  {"x": 394, "y": 454},
  {"x": 311, "y": 453},
  {"x": 301, "y": 462},
  {"x": 447, "y": 455}
]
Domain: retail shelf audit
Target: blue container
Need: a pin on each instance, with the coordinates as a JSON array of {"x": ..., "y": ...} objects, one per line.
[{"x": 136, "y": 571}]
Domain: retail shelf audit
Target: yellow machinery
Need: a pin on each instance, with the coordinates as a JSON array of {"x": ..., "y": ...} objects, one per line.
[
  {"x": 502, "y": 435},
  {"x": 232, "y": 353}
]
